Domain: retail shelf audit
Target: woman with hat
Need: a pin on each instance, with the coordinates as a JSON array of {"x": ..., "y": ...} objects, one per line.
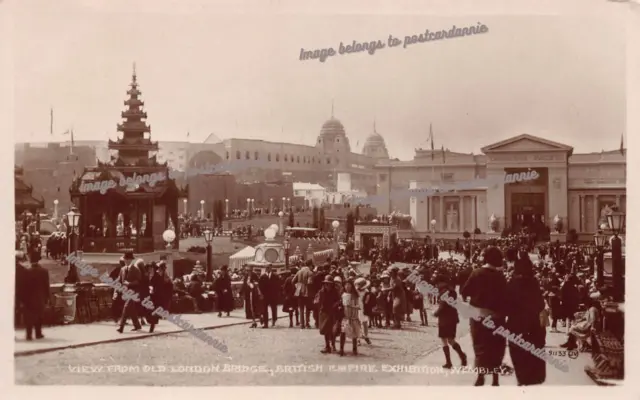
[
  {"x": 328, "y": 300},
  {"x": 448, "y": 322},
  {"x": 161, "y": 292},
  {"x": 366, "y": 306},
  {"x": 486, "y": 289},
  {"x": 350, "y": 326},
  {"x": 524, "y": 305}
]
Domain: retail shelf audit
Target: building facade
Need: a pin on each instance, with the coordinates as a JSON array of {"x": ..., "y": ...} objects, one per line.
[{"x": 577, "y": 188}]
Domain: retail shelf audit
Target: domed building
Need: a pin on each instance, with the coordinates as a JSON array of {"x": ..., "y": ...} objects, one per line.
[{"x": 375, "y": 147}]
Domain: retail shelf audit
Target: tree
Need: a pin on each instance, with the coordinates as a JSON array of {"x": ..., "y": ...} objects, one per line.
[
  {"x": 350, "y": 224},
  {"x": 291, "y": 221},
  {"x": 316, "y": 217},
  {"x": 321, "y": 219}
]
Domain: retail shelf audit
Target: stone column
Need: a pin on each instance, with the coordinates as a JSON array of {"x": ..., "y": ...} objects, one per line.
[
  {"x": 474, "y": 204},
  {"x": 429, "y": 212},
  {"x": 581, "y": 213},
  {"x": 461, "y": 214},
  {"x": 441, "y": 222},
  {"x": 413, "y": 205},
  {"x": 596, "y": 213}
]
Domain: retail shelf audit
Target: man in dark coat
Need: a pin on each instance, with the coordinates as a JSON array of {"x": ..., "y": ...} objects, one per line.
[
  {"x": 37, "y": 280},
  {"x": 269, "y": 285},
  {"x": 222, "y": 287},
  {"x": 250, "y": 277},
  {"x": 116, "y": 305},
  {"x": 130, "y": 277}
]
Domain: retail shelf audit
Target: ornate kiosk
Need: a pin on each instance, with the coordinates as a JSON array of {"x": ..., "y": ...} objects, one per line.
[
  {"x": 370, "y": 233},
  {"x": 269, "y": 253}
]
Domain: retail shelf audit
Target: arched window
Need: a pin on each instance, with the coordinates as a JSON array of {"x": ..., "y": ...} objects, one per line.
[
  {"x": 246, "y": 155},
  {"x": 269, "y": 157},
  {"x": 238, "y": 154},
  {"x": 286, "y": 158},
  {"x": 227, "y": 155},
  {"x": 255, "y": 155},
  {"x": 277, "y": 157},
  {"x": 292, "y": 159},
  {"x": 298, "y": 159},
  {"x": 313, "y": 159}
]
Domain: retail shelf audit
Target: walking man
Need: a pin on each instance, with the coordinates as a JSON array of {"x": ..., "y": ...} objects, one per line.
[
  {"x": 130, "y": 277},
  {"x": 37, "y": 279}
]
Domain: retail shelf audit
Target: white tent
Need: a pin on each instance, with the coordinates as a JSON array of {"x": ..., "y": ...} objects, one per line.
[{"x": 242, "y": 257}]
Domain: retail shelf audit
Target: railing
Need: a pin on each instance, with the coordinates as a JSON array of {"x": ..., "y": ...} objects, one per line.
[{"x": 117, "y": 244}]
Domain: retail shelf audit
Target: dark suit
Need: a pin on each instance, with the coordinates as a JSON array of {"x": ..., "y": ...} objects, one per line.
[
  {"x": 37, "y": 279},
  {"x": 132, "y": 275},
  {"x": 270, "y": 287}
]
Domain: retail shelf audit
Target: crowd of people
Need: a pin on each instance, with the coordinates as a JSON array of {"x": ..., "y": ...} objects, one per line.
[{"x": 497, "y": 278}]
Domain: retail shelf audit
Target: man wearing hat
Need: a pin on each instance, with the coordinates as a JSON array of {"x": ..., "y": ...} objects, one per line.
[
  {"x": 117, "y": 303},
  {"x": 328, "y": 299},
  {"x": 130, "y": 277},
  {"x": 37, "y": 280}
]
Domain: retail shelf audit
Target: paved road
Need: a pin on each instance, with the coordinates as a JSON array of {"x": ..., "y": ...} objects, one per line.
[{"x": 269, "y": 349}]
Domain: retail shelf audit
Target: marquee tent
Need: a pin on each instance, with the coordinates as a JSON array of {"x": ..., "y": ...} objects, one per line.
[{"x": 242, "y": 257}]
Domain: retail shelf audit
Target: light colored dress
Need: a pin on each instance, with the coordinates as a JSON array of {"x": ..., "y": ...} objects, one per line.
[{"x": 351, "y": 322}]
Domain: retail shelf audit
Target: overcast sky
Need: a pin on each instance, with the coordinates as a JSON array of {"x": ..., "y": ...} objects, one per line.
[{"x": 238, "y": 74}]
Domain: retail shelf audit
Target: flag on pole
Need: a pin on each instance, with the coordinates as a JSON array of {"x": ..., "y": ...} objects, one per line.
[
  {"x": 431, "y": 140},
  {"x": 622, "y": 144}
]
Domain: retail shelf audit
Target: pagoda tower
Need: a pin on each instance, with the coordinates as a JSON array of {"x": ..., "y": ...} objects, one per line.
[
  {"x": 133, "y": 149},
  {"x": 138, "y": 200}
]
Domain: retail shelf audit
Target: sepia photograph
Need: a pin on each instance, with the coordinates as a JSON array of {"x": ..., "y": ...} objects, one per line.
[{"x": 211, "y": 194}]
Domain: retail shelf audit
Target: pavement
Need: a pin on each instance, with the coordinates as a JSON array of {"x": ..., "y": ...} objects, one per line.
[
  {"x": 555, "y": 377},
  {"x": 80, "y": 335}
]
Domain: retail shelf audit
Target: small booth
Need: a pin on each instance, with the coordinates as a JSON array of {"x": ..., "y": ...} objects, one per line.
[
  {"x": 269, "y": 253},
  {"x": 370, "y": 234},
  {"x": 239, "y": 259}
]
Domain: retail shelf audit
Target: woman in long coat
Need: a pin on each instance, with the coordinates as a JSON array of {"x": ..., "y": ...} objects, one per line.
[
  {"x": 250, "y": 301},
  {"x": 328, "y": 301},
  {"x": 524, "y": 305},
  {"x": 486, "y": 289},
  {"x": 399, "y": 298},
  {"x": 161, "y": 292},
  {"x": 222, "y": 287}
]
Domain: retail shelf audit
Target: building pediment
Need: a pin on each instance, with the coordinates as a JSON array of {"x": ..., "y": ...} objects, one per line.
[{"x": 525, "y": 143}]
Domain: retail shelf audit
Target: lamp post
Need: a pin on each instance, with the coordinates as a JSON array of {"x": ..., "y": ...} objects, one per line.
[
  {"x": 286, "y": 244},
  {"x": 284, "y": 206},
  {"x": 249, "y": 207},
  {"x": 169, "y": 236},
  {"x": 591, "y": 252},
  {"x": 616, "y": 222},
  {"x": 226, "y": 208},
  {"x": 184, "y": 203},
  {"x": 289, "y": 203},
  {"x": 280, "y": 226},
  {"x": 253, "y": 206},
  {"x": 73, "y": 218},
  {"x": 433, "y": 225},
  {"x": 335, "y": 224},
  {"x": 208, "y": 237},
  {"x": 599, "y": 239},
  {"x": 55, "y": 209},
  {"x": 202, "y": 209},
  {"x": 271, "y": 205}
]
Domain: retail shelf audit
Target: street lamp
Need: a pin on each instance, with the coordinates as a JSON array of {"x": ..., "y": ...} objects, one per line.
[
  {"x": 284, "y": 207},
  {"x": 202, "y": 209},
  {"x": 433, "y": 225},
  {"x": 226, "y": 208},
  {"x": 616, "y": 222},
  {"x": 271, "y": 205},
  {"x": 289, "y": 203},
  {"x": 335, "y": 224},
  {"x": 169, "y": 236},
  {"x": 591, "y": 252},
  {"x": 55, "y": 209},
  {"x": 73, "y": 218},
  {"x": 599, "y": 239},
  {"x": 184, "y": 202},
  {"x": 280, "y": 226},
  {"x": 286, "y": 245},
  {"x": 208, "y": 237}
]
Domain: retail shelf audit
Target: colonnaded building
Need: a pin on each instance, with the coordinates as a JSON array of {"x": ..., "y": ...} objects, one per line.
[{"x": 578, "y": 188}]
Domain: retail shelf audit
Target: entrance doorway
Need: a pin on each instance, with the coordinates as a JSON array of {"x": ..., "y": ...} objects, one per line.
[{"x": 527, "y": 211}]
